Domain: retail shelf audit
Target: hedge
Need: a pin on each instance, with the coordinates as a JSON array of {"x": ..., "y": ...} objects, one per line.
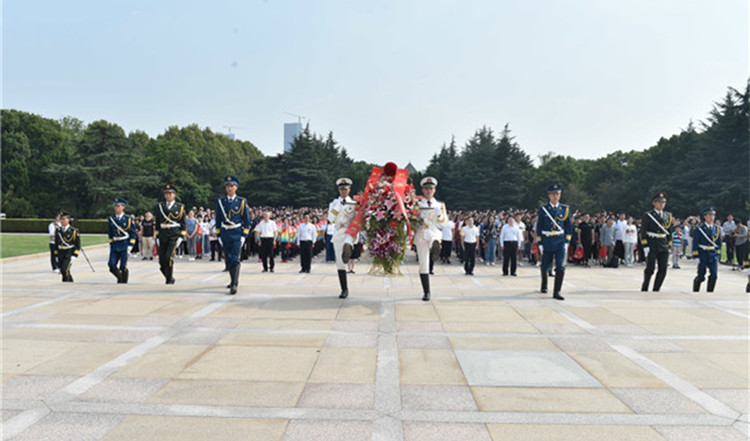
[{"x": 91, "y": 226}]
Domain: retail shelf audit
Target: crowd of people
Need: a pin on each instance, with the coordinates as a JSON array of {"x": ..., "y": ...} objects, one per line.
[{"x": 603, "y": 238}]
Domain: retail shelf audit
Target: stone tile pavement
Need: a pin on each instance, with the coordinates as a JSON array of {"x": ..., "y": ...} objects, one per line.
[{"x": 487, "y": 359}]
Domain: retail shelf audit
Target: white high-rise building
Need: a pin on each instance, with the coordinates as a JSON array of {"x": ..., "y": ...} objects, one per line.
[{"x": 290, "y": 131}]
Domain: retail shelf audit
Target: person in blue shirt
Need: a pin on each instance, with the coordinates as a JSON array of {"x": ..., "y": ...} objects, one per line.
[
  {"x": 707, "y": 248},
  {"x": 553, "y": 233},
  {"x": 232, "y": 227},
  {"x": 122, "y": 237}
]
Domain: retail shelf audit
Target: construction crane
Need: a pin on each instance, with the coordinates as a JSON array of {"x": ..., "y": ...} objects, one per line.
[
  {"x": 299, "y": 117},
  {"x": 233, "y": 127}
]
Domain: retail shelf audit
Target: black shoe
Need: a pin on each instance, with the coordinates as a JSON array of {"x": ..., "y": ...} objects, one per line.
[
  {"x": 145, "y": 258},
  {"x": 505, "y": 274},
  {"x": 271, "y": 270},
  {"x": 558, "y": 297},
  {"x": 124, "y": 275},
  {"x": 432, "y": 273},
  {"x": 346, "y": 253},
  {"x": 150, "y": 258},
  {"x": 426, "y": 297},
  {"x": 264, "y": 270},
  {"x": 301, "y": 271},
  {"x": 343, "y": 283},
  {"x": 344, "y": 294},
  {"x": 170, "y": 281},
  {"x": 514, "y": 275}
]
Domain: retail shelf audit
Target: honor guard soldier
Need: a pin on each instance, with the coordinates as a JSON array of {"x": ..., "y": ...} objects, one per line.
[
  {"x": 340, "y": 213},
  {"x": 428, "y": 236},
  {"x": 553, "y": 232},
  {"x": 170, "y": 231},
  {"x": 68, "y": 245},
  {"x": 657, "y": 230},
  {"x": 232, "y": 227},
  {"x": 707, "y": 248},
  {"x": 122, "y": 237}
]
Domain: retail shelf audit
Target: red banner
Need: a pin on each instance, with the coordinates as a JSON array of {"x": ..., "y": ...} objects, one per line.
[
  {"x": 358, "y": 221},
  {"x": 399, "y": 187}
]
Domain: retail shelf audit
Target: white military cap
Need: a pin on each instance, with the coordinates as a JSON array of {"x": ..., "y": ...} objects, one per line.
[
  {"x": 344, "y": 182},
  {"x": 428, "y": 181}
]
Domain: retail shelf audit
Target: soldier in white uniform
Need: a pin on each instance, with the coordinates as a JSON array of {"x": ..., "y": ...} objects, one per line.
[
  {"x": 340, "y": 213},
  {"x": 428, "y": 236}
]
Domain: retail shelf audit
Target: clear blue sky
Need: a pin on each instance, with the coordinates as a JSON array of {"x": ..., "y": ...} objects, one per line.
[{"x": 392, "y": 79}]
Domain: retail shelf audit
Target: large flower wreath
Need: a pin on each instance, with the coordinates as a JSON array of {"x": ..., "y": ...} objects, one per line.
[{"x": 388, "y": 213}]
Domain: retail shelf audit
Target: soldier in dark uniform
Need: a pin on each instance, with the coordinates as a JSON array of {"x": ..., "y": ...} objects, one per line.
[
  {"x": 170, "y": 231},
  {"x": 122, "y": 237},
  {"x": 707, "y": 248},
  {"x": 657, "y": 232},
  {"x": 68, "y": 245},
  {"x": 553, "y": 233},
  {"x": 232, "y": 227}
]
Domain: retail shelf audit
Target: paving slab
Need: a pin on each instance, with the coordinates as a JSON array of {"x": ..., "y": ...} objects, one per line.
[{"x": 489, "y": 358}]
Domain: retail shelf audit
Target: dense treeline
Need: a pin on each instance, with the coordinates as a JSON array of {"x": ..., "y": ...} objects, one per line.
[
  {"x": 696, "y": 168},
  {"x": 48, "y": 164}
]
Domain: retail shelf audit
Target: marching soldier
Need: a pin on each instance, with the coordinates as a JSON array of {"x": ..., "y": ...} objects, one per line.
[
  {"x": 707, "y": 248},
  {"x": 428, "y": 237},
  {"x": 68, "y": 245},
  {"x": 657, "y": 229},
  {"x": 340, "y": 213},
  {"x": 170, "y": 231},
  {"x": 553, "y": 232},
  {"x": 122, "y": 237},
  {"x": 232, "y": 227}
]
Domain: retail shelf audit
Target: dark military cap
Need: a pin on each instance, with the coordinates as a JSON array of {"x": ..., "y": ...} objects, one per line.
[
  {"x": 119, "y": 201},
  {"x": 554, "y": 188},
  {"x": 709, "y": 210},
  {"x": 67, "y": 214},
  {"x": 229, "y": 179},
  {"x": 428, "y": 181},
  {"x": 661, "y": 196},
  {"x": 344, "y": 182},
  {"x": 170, "y": 188}
]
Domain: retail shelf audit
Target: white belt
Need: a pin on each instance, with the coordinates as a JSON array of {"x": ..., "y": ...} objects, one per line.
[
  {"x": 551, "y": 233},
  {"x": 706, "y": 247},
  {"x": 66, "y": 247},
  {"x": 170, "y": 225},
  {"x": 657, "y": 235},
  {"x": 230, "y": 226},
  {"x": 121, "y": 238}
]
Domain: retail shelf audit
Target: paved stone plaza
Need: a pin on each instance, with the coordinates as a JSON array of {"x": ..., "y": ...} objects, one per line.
[{"x": 487, "y": 359}]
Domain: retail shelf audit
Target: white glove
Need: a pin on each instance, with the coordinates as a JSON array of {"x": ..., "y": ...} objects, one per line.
[
  {"x": 73, "y": 258},
  {"x": 130, "y": 249},
  {"x": 179, "y": 241},
  {"x": 565, "y": 248},
  {"x": 156, "y": 241},
  {"x": 221, "y": 243},
  {"x": 541, "y": 250},
  {"x": 242, "y": 242}
]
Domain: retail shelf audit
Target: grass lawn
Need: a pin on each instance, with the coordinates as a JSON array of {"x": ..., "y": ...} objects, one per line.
[{"x": 22, "y": 244}]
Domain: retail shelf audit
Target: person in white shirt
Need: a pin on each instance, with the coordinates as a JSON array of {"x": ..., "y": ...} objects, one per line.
[
  {"x": 522, "y": 237},
  {"x": 509, "y": 240},
  {"x": 267, "y": 231},
  {"x": 469, "y": 236},
  {"x": 447, "y": 241},
  {"x": 620, "y": 225},
  {"x": 306, "y": 233},
  {"x": 52, "y": 230},
  {"x": 629, "y": 239}
]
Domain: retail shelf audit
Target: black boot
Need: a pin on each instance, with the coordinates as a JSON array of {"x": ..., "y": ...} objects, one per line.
[
  {"x": 168, "y": 274},
  {"x": 696, "y": 284},
  {"x": 747, "y": 287},
  {"x": 559, "y": 275},
  {"x": 425, "y": 278},
  {"x": 234, "y": 275},
  {"x": 544, "y": 282},
  {"x": 711, "y": 284},
  {"x": 435, "y": 251},
  {"x": 125, "y": 273},
  {"x": 117, "y": 274},
  {"x": 342, "y": 281},
  {"x": 660, "y": 276},
  {"x": 646, "y": 282},
  {"x": 346, "y": 253}
]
